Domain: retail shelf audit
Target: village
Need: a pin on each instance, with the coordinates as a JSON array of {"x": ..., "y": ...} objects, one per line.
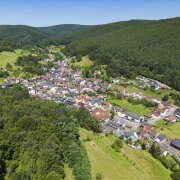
[{"x": 63, "y": 85}]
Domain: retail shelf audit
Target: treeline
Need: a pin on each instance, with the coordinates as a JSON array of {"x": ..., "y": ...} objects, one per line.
[
  {"x": 150, "y": 48},
  {"x": 38, "y": 137},
  {"x": 145, "y": 102},
  {"x": 21, "y": 37},
  {"x": 168, "y": 161},
  {"x": 4, "y": 74},
  {"x": 30, "y": 64}
]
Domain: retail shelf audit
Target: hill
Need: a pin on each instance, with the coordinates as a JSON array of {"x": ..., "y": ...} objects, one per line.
[
  {"x": 65, "y": 28},
  {"x": 127, "y": 164},
  {"x": 20, "y": 36},
  {"x": 25, "y": 37},
  {"x": 134, "y": 47}
]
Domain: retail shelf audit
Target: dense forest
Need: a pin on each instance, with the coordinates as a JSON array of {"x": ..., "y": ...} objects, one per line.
[
  {"x": 26, "y": 37},
  {"x": 38, "y": 137},
  {"x": 150, "y": 48}
]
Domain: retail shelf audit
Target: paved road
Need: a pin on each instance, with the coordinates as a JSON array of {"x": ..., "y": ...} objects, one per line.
[
  {"x": 127, "y": 122},
  {"x": 171, "y": 111}
]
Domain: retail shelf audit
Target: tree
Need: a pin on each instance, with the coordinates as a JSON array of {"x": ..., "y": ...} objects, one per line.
[
  {"x": 8, "y": 67},
  {"x": 112, "y": 114},
  {"x": 155, "y": 150},
  {"x": 143, "y": 146},
  {"x": 176, "y": 175},
  {"x": 98, "y": 176},
  {"x": 165, "y": 98}
]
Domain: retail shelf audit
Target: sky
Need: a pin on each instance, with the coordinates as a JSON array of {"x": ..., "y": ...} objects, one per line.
[{"x": 88, "y": 12}]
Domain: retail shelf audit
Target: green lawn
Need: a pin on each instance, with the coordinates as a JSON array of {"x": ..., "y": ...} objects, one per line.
[
  {"x": 171, "y": 130},
  {"x": 128, "y": 164},
  {"x": 159, "y": 93},
  {"x": 86, "y": 62},
  {"x": 129, "y": 88},
  {"x": 7, "y": 57},
  {"x": 138, "y": 109},
  {"x": 10, "y": 57}
]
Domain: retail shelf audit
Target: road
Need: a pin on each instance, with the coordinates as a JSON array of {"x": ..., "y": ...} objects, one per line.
[
  {"x": 127, "y": 122},
  {"x": 171, "y": 111}
]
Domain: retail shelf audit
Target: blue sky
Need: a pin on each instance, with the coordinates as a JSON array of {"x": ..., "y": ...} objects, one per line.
[{"x": 52, "y": 12}]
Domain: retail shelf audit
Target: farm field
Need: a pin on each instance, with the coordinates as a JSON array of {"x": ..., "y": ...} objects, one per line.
[
  {"x": 171, "y": 130},
  {"x": 128, "y": 164},
  {"x": 138, "y": 109}
]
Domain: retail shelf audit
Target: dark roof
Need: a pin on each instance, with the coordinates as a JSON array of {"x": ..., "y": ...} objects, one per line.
[
  {"x": 128, "y": 134},
  {"x": 177, "y": 112},
  {"x": 114, "y": 125},
  {"x": 176, "y": 142},
  {"x": 162, "y": 137},
  {"x": 154, "y": 86},
  {"x": 133, "y": 115}
]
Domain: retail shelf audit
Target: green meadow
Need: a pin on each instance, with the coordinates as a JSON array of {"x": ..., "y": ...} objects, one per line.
[
  {"x": 128, "y": 164},
  {"x": 85, "y": 62},
  {"x": 172, "y": 130},
  {"x": 138, "y": 109}
]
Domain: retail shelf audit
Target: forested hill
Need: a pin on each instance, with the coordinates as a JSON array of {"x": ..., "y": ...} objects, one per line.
[
  {"x": 65, "y": 28},
  {"x": 20, "y": 36},
  {"x": 150, "y": 48},
  {"x": 38, "y": 137}
]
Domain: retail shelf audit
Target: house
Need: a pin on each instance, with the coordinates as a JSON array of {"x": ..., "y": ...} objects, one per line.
[
  {"x": 133, "y": 116},
  {"x": 177, "y": 113},
  {"x": 165, "y": 104},
  {"x": 105, "y": 86},
  {"x": 116, "y": 80},
  {"x": 171, "y": 118},
  {"x": 100, "y": 114},
  {"x": 160, "y": 106},
  {"x": 142, "y": 85},
  {"x": 164, "y": 86},
  {"x": 153, "y": 133},
  {"x": 176, "y": 144},
  {"x": 147, "y": 130},
  {"x": 155, "y": 86},
  {"x": 161, "y": 138},
  {"x": 115, "y": 125},
  {"x": 128, "y": 134},
  {"x": 156, "y": 114},
  {"x": 120, "y": 112},
  {"x": 140, "y": 77}
]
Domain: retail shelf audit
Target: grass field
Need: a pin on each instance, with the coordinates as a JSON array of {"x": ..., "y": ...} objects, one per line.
[
  {"x": 86, "y": 62},
  {"x": 128, "y": 164},
  {"x": 7, "y": 57},
  {"x": 171, "y": 130},
  {"x": 10, "y": 57},
  {"x": 138, "y": 109},
  {"x": 129, "y": 88}
]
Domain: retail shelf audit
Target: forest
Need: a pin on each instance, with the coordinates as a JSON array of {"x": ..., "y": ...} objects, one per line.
[
  {"x": 38, "y": 137},
  {"x": 150, "y": 48}
]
